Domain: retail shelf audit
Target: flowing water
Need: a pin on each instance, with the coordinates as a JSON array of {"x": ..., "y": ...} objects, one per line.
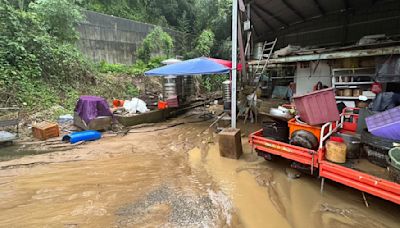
[
  {"x": 173, "y": 178},
  {"x": 263, "y": 195}
]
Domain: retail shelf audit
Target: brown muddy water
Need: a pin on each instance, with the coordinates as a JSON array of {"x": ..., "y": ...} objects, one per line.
[{"x": 173, "y": 178}]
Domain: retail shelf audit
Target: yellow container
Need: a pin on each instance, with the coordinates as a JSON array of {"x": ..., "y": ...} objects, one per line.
[{"x": 336, "y": 152}]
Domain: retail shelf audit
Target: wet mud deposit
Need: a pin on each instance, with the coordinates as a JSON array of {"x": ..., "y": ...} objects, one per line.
[{"x": 173, "y": 178}]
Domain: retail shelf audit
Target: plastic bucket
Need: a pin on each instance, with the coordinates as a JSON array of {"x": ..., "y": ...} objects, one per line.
[
  {"x": 318, "y": 107},
  {"x": 394, "y": 157}
]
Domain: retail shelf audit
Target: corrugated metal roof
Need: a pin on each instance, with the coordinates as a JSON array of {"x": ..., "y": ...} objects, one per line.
[{"x": 281, "y": 17}]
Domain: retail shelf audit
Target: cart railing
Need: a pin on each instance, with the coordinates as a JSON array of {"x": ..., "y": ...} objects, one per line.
[{"x": 329, "y": 128}]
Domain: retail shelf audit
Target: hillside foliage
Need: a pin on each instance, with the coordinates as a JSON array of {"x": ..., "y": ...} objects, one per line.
[{"x": 41, "y": 67}]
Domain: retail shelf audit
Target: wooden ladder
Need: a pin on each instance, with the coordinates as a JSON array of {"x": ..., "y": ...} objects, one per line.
[{"x": 268, "y": 49}]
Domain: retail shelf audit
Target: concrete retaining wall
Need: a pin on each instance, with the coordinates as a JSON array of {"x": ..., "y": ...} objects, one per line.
[{"x": 112, "y": 39}]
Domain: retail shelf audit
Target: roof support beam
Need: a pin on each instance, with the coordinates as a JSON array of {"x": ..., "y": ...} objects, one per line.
[
  {"x": 393, "y": 50},
  {"x": 269, "y": 13},
  {"x": 321, "y": 10},
  {"x": 255, "y": 10},
  {"x": 295, "y": 11},
  {"x": 346, "y": 4}
]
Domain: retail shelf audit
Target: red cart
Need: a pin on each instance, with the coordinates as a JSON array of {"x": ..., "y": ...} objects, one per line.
[{"x": 362, "y": 181}]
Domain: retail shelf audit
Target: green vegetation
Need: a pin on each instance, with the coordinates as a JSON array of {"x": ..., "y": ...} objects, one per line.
[
  {"x": 40, "y": 66},
  {"x": 34, "y": 65},
  {"x": 193, "y": 17},
  {"x": 59, "y": 18},
  {"x": 136, "y": 69},
  {"x": 213, "y": 82},
  {"x": 158, "y": 43},
  {"x": 205, "y": 42}
]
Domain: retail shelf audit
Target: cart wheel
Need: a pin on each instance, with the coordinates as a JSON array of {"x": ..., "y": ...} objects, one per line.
[
  {"x": 306, "y": 169},
  {"x": 265, "y": 155}
]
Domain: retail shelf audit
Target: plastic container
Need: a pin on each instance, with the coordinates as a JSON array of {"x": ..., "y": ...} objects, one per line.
[
  {"x": 162, "y": 105},
  {"x": 353, "y": 144},
  {"x": 118, "y": 103},
  {"x": 335, "y": 152},
  {"x": 82, "y": 136},
  {"x": 357, "y": 92},
  {"x": 394, "y": 174},
  {"x": 295, "y": 126},
  {"x": 318, "y": 107},
  {"x": 347, "y": 92},
  {"x": 394, "y": 157},
  {"x": 45, "y": 130},
  {"x": 276, "y": 130},
  {"x": 385, "y": 124}
]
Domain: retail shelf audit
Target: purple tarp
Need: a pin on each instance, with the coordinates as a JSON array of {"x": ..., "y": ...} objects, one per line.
[
  {"x": 90, "y": 107},
  {"x": 385, "y": 124}
]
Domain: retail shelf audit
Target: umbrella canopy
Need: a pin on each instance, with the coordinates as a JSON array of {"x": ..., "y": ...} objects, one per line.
[
  {"x": 196, "y": 66},
  {"x": 226, "y": 63}
]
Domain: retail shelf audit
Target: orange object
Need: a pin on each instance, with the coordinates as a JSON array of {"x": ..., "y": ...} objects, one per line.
[
  {"x": 295, "y": 126},
  {"x": 362, "y": 181},
  {"x": 118, "y": 103},
  {"x": 162, "y": 105},
  {"x": 45, "y": 130},
  {"x": 350, "y": 119}
]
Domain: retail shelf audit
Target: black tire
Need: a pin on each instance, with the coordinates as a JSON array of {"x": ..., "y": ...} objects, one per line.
[
  {"x": 377, "y": 157},
  {"x": 376, "y": 148},
  {"x": 380, "y": 144},
  {"x": 265, "y": 155},
  {"x": 304, "y": 139}
]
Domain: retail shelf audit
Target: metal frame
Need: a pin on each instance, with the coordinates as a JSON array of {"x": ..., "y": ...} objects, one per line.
[
  {"x": 364, "y": 182},
  {"x": 234, "y": 59},
  {"x": 11, "y": 122},
  {"x": 295, "y": 153}
]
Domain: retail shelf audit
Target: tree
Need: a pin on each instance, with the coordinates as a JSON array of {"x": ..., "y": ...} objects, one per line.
[
  {"x": 158, "y": 43},
  {"x": 184, "y": 38},
  {"x": 60, "y": 17},
  {"x": 205, "y": 42},
  {"x": 34, "y": 66}
]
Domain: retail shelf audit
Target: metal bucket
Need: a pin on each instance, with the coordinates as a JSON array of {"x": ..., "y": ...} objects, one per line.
[
  {"x": 226, "y": 90},
  {"x": 169, "y": 90},
  {"x": 179, "y": 87},
  {"x": 188, "y": 87},
  {"x": 258, "y": 50}
]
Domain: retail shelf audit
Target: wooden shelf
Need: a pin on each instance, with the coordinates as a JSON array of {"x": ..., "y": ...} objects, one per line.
[
  {"x": 352, "y": 83},
  {"x": 351, "y": 98}
]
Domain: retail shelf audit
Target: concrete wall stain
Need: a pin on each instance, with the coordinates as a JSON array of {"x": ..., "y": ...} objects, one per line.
[{"x": 112, "y": 39}]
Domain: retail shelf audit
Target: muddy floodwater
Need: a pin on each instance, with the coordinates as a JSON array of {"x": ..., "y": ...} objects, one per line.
[{"x": 173, "y": 177}]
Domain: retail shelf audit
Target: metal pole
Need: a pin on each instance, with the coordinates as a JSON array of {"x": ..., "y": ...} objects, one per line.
[{"x": 234, "y": 60}]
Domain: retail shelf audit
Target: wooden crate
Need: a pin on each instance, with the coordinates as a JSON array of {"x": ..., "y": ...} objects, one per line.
[
  {"x": 230, "y": 143},
  {"x": 45, "y": 130}
]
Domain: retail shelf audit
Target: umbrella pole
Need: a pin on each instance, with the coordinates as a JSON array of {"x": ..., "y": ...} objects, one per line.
[{"x": 234, "y": 61}]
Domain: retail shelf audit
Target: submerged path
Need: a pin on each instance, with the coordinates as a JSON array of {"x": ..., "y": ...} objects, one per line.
[{"x": 173, "y": 178}]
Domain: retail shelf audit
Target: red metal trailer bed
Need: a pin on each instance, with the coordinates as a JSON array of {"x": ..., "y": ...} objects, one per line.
[{"x": 316, "y": 159}]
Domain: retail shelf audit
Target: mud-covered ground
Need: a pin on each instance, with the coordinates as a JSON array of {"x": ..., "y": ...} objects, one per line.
[{"x": 173, "y": 177}]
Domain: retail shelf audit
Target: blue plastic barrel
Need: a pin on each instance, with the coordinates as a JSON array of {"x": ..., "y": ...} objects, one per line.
[{"x": 75, "y": 137}]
